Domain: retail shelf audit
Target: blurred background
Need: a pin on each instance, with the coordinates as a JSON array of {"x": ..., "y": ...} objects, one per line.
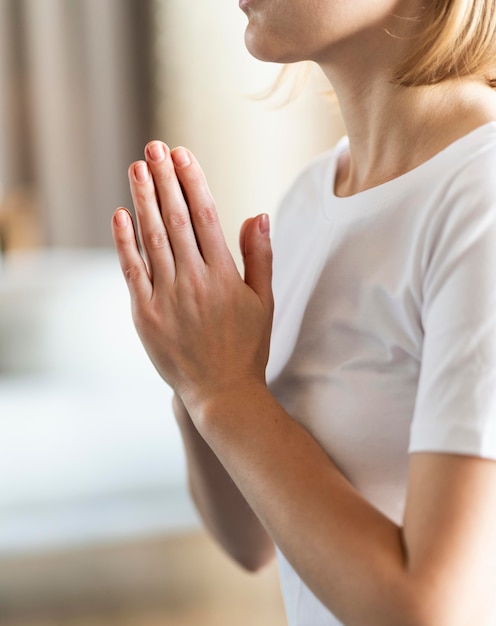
[{"x": 96, "y": 526}]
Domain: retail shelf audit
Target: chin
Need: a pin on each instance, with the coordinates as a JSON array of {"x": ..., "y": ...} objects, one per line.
[
  {"x": 267, "y": 51},
  {"x": 256, "y": 48}
]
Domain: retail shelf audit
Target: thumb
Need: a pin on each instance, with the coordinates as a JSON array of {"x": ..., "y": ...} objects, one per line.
[{"x": 257, "y": 256}]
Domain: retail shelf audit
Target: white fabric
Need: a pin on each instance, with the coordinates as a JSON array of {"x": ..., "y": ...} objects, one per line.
[{"x": 384, "y": 338}]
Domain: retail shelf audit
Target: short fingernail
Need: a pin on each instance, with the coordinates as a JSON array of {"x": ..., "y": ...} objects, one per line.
[
  {"x": 180, "y": 157},
  {"x": 264, "y": 224},
  {"x": 122, "y": 218},
  {"x": 156, "y": 151},
  {"x": 141, "y": 172}
]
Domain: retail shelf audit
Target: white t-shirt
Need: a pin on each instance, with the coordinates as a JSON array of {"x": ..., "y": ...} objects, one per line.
[{"x": 384, "y": 338}]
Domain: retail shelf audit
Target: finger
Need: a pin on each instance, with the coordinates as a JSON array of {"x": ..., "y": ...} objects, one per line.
[
  {"x": 202, "y": 208},
  {"x": 131, "y": 262},
  {"x": 242, "y": 235},
  {"x": 257, "y": 258},
  {"x": 152, "y": 232},
  {"x": 173, "y": 205}
]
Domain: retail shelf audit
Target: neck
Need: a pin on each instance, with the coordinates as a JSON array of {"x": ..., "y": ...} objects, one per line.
[{"x": 393, "y": 129}]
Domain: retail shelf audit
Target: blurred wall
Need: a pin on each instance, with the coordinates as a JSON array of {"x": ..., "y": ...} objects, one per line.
[
  {"x": 84, "y": 84},
  {"x": 74, "y": 109}
]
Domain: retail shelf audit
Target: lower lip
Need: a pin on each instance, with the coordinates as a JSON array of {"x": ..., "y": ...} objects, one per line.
[{"x": 244, "y": 3}]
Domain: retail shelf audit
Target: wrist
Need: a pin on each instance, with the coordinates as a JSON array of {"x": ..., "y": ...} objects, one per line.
[{"x": 221, "y": 410}]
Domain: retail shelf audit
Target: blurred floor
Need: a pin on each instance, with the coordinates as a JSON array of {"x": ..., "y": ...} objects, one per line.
[{"x": 179, "y": 581}]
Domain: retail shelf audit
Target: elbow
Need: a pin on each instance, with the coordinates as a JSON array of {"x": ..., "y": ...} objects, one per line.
[{"x": 255, "y": 561}]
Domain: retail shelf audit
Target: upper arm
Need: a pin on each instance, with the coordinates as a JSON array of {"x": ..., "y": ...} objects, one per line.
[
  {"x": 450, "y": 517},
  {"x": 450, "y": 537}
]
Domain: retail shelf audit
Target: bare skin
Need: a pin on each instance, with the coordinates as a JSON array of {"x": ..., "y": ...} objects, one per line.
[{"x": 256, "y": 475}]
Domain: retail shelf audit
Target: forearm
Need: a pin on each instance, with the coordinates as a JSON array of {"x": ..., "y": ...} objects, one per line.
[
  {"x": 347, "y": 552},
  {"x": 223, "y": 509}
]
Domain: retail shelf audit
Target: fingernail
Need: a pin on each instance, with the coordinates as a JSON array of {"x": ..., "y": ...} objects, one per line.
[
  {"x": 180, "y": 157},
  {"x": 122, "y": 218},
  {"x": 264, "y": 224},
  {"x": 155, "y": 150},
  {"x": 141, "y": 172}
]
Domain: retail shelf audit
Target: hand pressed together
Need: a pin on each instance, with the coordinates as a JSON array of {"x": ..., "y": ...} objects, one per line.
[{"x": 206, "y": 330}]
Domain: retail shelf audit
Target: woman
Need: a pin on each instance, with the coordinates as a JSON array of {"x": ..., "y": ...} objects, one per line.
[{"x": 368, "y": 459}]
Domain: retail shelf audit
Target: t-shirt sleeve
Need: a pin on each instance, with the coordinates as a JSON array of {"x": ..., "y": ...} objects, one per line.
[{"x": 455, "y": 408}]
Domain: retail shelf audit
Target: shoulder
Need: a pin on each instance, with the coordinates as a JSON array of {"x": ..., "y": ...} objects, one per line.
[
  {"x": 461, "y": 186},
  {"x": 459, "y": 242},
  {"x": 473, "y": 160}
]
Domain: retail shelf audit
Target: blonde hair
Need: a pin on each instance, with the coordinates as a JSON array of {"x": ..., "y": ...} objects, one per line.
[{"x": 460, "y": 40}]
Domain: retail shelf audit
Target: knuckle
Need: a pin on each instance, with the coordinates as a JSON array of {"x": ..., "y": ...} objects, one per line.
[
  {"x": 196, "y": 178},
  {"x": 164, "y": 174},
  {"x": 207, "y": 215},
  {"x": 132, "y": 273},
  {"x": 144, "y": 194},
  {"x": 146, "y": 322},
  {"x": 177, "y": 221},
  {"x": 121, "y": 238},
  {"x": 140, "y": 314},
  {"x": 157, "y": 240}
]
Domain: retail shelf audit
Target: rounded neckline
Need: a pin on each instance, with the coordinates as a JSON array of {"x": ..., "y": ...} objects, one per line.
[{"x": 389, "y": 191}]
